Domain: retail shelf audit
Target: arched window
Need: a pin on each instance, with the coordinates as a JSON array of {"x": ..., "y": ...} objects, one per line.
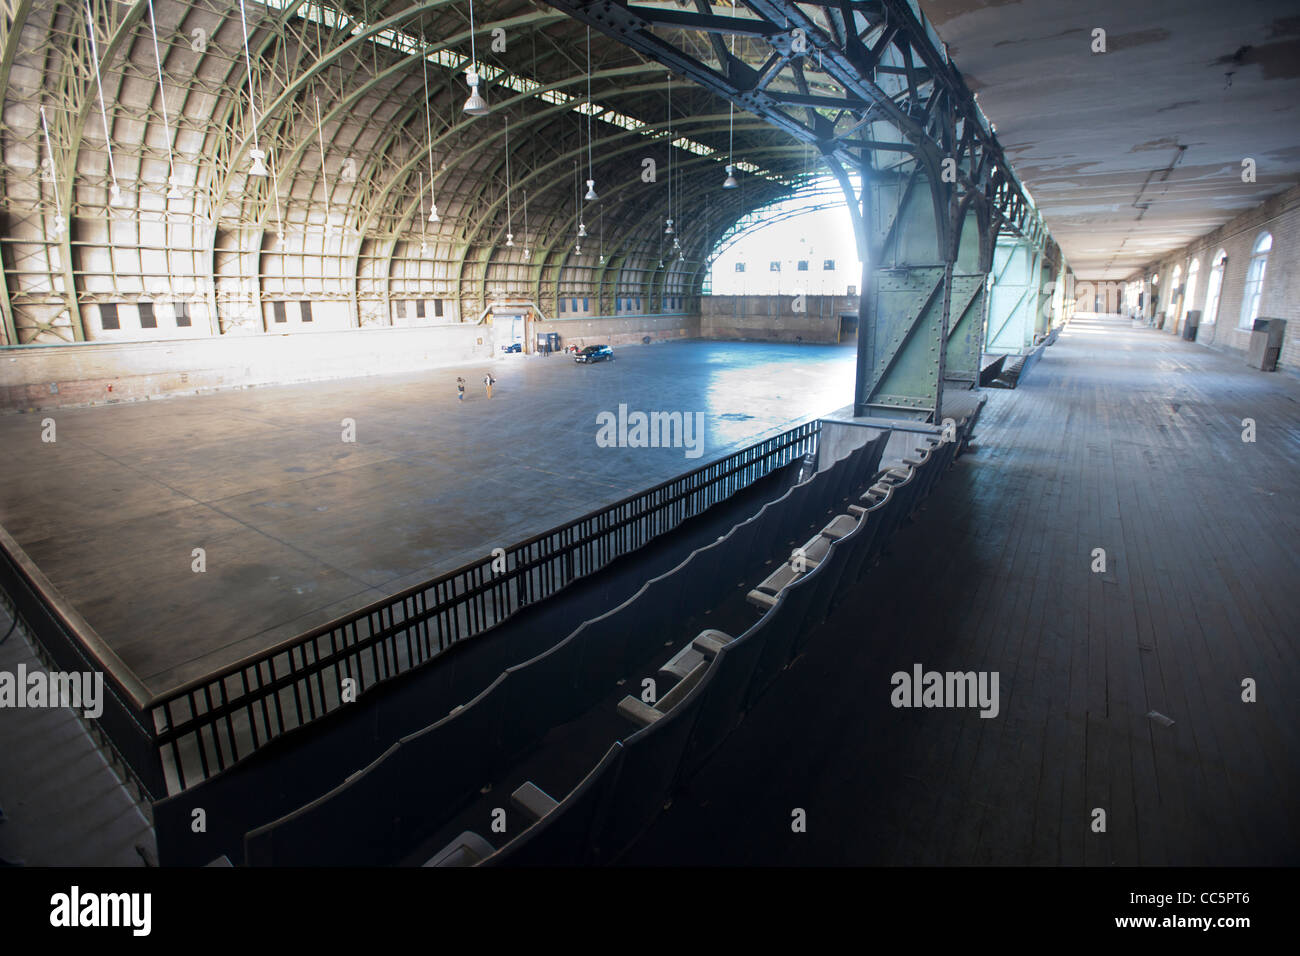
[
  {"x": 1175, "y": 301},
  {"x": 1255, "y": 280},
  {"x": 1189, "y": 292},
  {"x": 1210, "y": 314}
]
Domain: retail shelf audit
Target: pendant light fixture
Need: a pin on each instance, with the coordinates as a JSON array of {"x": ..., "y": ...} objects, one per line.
[
  {"x": 730, "y": 181},
  {"x": 424, "y": 242},
  {"x": 256, "y": 154},
  {"x": 475, "y": 105},
  {"x": 324, "y": 177},
  {"x": 591, "y": 175},
  {"x": 175, "y": 191},
  {"x": 59, "y": 224},
  {"x": 668, "y": 223},
  {"x": 528, "y": 253},
  {"x": 510, "y": 236},
  {"x": 428, "y": 137},
  {"x": 602, "y": 234},
  {"x": 114, "y": 190},
  {"x": 582, "y": 226}
]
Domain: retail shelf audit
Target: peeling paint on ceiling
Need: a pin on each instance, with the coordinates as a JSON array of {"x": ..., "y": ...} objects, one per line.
[{"x": 1136, "y": 151}]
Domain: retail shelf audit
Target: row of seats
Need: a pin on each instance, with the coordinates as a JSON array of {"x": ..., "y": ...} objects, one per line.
[
  {"x": 807, "y": 557},
  {"x": 427, "y": 778},
  {"x": 718, "y": 677}
]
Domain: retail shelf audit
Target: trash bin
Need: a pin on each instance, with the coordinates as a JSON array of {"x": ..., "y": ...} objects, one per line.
[
  {"x": 1265, "y": 344},
  {"x": 1191, "y": 324}
]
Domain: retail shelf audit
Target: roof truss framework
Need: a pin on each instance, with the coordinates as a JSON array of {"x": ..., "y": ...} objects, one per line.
[
  {"x": 344, "y": 216},
  {"x": 867, "y": 84}
]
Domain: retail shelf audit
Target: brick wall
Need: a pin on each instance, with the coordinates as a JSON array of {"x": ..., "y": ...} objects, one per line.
[{"x": 1280, "y": 216}]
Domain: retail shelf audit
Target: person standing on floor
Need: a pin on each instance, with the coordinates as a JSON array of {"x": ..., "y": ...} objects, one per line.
[
  {"x": 489, "y": 381},
  {"x": 460, "y": 388}
]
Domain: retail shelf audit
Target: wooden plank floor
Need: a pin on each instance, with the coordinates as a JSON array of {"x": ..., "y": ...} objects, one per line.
[{"x": 1122, "y": 439}]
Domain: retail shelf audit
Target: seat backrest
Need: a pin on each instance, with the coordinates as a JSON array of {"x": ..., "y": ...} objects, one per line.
[{"x": 566, "y": 835}]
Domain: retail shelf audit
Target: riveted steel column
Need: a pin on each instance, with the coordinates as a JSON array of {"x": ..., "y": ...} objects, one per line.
[{"x": 906, "y": 290}]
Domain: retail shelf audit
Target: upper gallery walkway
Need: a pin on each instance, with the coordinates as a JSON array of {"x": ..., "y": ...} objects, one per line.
[{"x": 1120, "y": 690}]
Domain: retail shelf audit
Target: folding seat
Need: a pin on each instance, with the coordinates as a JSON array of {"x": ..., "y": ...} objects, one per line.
[{"x": 565, "y": 834}]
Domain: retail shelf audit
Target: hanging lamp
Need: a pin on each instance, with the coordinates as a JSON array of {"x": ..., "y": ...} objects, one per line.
[
  {"x": 428, "y": 136},
  {"x": 173, "y": 182},
  {"x": 591, "y": 175},
  {"x": 582, "y": 226},
  {"x": 730, "y": 182},
  {"x": 510, "y": 235},
  {"x": 59, "y": 224},
  {"x": 256, "y": 154},
  {"x": 114, "y": 190},
  {"x": 668, "y": 222},
  {"x": 476, "y": 105},
  {"x": 424, "y": 242},
  {"x": 528, "y": 253},
  {"x": 324, "y": 176}
]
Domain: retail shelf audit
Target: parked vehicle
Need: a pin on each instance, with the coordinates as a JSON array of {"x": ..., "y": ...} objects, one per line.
[
  {"x": 513, "y": 347},
  {"x": 595, "y": 353}
]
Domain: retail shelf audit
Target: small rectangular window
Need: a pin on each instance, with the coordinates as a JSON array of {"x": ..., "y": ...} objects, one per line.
[
  {"x": 437, "y": 308},
  {"x": 419, "y": 308},
  {"x": 586, "y": 305},
  {"x": 277, "y": 309},
  {"x": 401, "y": 308},
  {"x": 740, "y": 267},
  {"x": 305, "y": 307},
  {"x": 147, "y": 319},
  {"x": 828, "y": 265},
  {"x": 108, "y": 316},
  {"x": 562, "y": 301},
  {"x": 803, "y": 265},
  {"x": 774, "y": 267},
  {"x": 575, "y": 305},
  {"x": 638, "y": 303},
  {"x": 182, "y": 314}
]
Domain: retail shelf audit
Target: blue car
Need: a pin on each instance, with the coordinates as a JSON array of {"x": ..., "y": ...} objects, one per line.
[
  {"x": 595, "y": 353},
  {"x": 513, "y": 347}
]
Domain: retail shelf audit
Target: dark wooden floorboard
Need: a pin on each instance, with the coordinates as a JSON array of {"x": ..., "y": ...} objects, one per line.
[{"x": 1122, "y": 439}]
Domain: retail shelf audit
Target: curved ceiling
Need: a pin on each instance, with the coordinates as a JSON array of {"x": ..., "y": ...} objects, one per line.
[{"x": 334, "y": 94}]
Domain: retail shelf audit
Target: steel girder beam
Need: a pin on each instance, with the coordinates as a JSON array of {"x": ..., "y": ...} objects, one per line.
[
  {"x": 876, "y": 62},
  {"x": 848, "y": 58},
  {"x": 906, "y": 293}
]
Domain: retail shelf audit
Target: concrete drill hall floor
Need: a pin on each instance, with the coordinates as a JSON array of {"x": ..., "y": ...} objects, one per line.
[
  {"x": 300, "y": 527},
  {"x": 1123, "y": 439}
]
